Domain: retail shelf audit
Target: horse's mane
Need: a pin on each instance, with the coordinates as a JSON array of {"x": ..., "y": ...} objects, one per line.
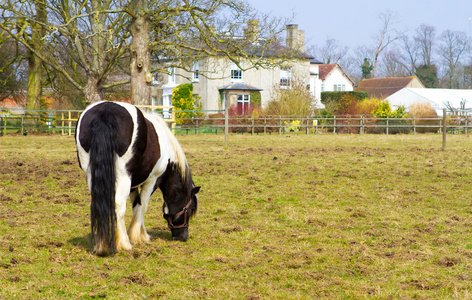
[{"x": 179, "y": 156}]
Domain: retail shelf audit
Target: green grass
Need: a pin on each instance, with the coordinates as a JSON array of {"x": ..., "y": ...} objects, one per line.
[{"x": 319, "y": 216}]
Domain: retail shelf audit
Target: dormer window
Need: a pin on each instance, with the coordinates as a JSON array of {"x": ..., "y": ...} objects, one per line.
[{"x": 236, "y": 72}]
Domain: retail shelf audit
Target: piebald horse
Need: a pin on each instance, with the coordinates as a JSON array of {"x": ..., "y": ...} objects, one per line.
[{"x": 127, "y": 154}]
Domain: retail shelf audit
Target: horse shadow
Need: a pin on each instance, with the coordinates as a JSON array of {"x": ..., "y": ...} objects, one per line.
[
  {"x": 159, "y": 233},
  {"x": 85, "y": 243}
]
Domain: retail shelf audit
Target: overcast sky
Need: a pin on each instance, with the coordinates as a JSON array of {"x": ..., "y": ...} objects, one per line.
[{"x": 355, "y": 23}]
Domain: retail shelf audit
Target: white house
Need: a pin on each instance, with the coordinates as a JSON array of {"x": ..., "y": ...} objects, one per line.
[
  {"x": 224, "y": 79},
  {"x": 438, "y": 98},
  {"x": 328, "y": 78}
]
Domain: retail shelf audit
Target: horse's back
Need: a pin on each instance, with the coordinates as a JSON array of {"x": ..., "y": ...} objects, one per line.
[{"x": 137, "y": 142}]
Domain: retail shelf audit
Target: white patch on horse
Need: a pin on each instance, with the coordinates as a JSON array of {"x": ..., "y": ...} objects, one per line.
[
  {"x": 166, "y": 210},
  {"x": 174, "y": 153}
]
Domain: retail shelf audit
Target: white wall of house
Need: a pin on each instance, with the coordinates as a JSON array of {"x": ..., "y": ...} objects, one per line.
[
  {"x": 215, "y": 72},
  {"x": 336, "y": 81},
  {"x": 315, "y": 82}
]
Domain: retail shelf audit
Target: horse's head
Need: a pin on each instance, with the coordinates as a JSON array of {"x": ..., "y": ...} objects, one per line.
[{"x": 178, "y": 213}]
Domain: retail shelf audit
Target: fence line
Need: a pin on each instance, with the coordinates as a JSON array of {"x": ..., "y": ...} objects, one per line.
[{"x": 64, "y": 121}]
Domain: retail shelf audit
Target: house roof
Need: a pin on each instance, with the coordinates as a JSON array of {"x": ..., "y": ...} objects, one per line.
[
  {"x": 315, "y": 61},
  {"x": 238, "y": 86},
  {"x": 326, "y": 69},
  {"x": 383, "y": 87}
]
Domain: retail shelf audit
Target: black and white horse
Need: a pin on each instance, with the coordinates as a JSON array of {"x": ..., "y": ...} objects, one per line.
[{"x": 128, "y": 154}]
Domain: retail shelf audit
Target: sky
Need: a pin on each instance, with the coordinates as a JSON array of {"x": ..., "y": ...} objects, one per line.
[{"x": 355, "y": 23}]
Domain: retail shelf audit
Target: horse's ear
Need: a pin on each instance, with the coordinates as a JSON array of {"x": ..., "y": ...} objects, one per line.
[{"x": 195, "y": 190}]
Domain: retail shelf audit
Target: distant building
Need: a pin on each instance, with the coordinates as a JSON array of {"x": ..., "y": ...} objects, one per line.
[
  {"x": 437, "y": 98},
  {"x": 328, "y": 78},
  {"x": 224, "y": 78},
  {"x": 381, "y": 88}
]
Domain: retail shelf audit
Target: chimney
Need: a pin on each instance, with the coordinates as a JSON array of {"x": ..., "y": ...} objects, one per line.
[
  {"x": 252, "y": 31},
  {"x": 295, "y": 38}
]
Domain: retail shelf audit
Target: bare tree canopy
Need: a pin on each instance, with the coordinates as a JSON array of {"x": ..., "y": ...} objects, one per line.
[
  {"x": 453, "y": 46},
  {"x": 88, "y": 41}
]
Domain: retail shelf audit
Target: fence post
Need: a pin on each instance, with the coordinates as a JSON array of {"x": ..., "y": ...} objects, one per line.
[
  {"x": 280, "y": 125},
  {"x": 196, "y": 126},
  {"x": 70, "y": 122},
  {"x": 306, "y": 124},
  {"x": 362, "y": 124},
  {"x": 62, "y": 123},
  {"x": 226, "y": 121},
  {"x": 252, "y": 128},
  {"x": 414, "y": 125},
  {"x": 387, "y": 125},
  {"x": 334, "y": 128},
  {"x": 444, "y": 129},
  {"x": 265, "y": 125}
]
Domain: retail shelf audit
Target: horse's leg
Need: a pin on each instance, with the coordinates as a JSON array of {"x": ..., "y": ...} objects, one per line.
[
  {"x": 123, "y": 186},
  {"x": 137, "y": 231}
]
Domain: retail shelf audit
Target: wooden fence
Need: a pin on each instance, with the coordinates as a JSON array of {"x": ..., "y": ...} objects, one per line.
[{"x": 64, "y": 122}]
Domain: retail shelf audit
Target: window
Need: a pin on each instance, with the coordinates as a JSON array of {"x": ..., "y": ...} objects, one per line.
[
  {"x": 339, "y": 87},
  {"x": 285, "y": 78},
  {"x": 236, "y": 72},
  {"x": 195, "y": 71},
  {"x": 244, "y": 104},
  {"x": 171, "y": 72}
]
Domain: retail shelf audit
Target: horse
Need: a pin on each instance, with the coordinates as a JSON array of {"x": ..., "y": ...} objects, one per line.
[{"x": 128, "y": 154}]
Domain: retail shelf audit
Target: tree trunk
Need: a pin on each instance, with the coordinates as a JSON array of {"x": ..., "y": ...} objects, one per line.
[
  {"x": 92, "y": 91},
  {"x": 140, "y": 55},
  {"x": 35, "y": 68},
  {"x": 33, "y": 96}
]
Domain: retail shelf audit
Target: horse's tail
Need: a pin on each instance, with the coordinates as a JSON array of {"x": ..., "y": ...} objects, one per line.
[{"x": 102, "y": 159}]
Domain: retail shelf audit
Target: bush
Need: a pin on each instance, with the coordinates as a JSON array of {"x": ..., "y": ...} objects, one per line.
[
  {"x": 327, "y": 97},
  {"x": 422, "y": 111},
  {"x": 367, "y": 106},
  {"x": 296, "y": 101},
  {"x": 184, "y": 101}
]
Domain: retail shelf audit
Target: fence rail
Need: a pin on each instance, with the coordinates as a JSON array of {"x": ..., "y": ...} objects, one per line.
[{"x": 64, "y": 122}]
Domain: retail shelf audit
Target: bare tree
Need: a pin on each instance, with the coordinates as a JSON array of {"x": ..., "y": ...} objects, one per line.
[
  {"x": 453, "y": 46},
  {"x": 363, "y": 56},
  {"x": 91, "y": 32},
  {"x": 425, "y": 38},
  {"x": 99, "y": 36},
  {"x": 393, "y": 66},
  {"x": 331, "y": 52},
  {"x": 11, "y": 75},
  {"x": 384, "y": 38},
  {"x": 410, "y": 54}
]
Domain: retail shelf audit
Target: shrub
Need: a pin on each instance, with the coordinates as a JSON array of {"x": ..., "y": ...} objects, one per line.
[
  {"x": 367, "y": 106},
  {"x": 327, "y": 97},
  {"x": 296, "y": 101},
  {"x": 423, "y": 111},
  {"x": 184, "y": 102}
]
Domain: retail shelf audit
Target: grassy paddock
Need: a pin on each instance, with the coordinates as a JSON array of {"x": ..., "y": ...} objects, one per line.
[{"x": 294, "y": 217}]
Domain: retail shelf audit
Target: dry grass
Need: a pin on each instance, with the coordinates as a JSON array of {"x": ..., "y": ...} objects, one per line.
[{"x": 280, "y": 217}]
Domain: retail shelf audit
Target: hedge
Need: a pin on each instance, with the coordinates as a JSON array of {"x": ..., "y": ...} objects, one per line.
[{"x": 327, "y": 97}]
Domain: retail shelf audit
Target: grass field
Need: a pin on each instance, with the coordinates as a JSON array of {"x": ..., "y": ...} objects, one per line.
[{"x": 281, "y": 217}]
